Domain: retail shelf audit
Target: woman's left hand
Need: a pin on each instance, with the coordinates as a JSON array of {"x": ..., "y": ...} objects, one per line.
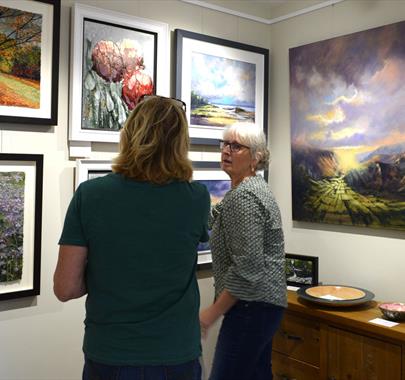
[{"x": 207, "y": 319}]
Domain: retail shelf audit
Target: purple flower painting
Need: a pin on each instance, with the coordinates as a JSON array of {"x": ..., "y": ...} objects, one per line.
[
  {"x": 348, "y": 129},
  {"x": 11, "y": 225}
]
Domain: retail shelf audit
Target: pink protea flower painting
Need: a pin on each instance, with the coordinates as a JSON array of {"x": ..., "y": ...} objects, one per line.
[
  {"x": 132, "y": 54},
  {"x": 136, "y": 83},
  {"x": 108, "y": 61}
]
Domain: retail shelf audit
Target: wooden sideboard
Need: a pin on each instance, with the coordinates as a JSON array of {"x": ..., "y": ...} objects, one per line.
[{"x": 316, "y": 342}]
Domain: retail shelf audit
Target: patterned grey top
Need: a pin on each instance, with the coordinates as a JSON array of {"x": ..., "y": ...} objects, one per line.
[{"x": 247, "y": 244}]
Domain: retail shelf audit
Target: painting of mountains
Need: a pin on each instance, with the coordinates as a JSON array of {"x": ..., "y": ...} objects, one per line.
[{"x": 347, "y": 108}]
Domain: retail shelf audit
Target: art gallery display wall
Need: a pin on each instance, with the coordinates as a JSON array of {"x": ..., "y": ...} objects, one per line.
[{"x": 41, "y": 337}]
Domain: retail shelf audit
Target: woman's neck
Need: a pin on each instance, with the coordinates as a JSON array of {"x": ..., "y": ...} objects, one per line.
[{"x": 235, "y": 182}]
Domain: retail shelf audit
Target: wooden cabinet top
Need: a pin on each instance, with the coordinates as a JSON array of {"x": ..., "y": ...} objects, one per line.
[{"x": 353, "y": 317}]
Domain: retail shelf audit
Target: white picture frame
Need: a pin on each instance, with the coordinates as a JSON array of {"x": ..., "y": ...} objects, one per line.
[
  {"x": 82, "y": 14},
  {"x": 86, "y": 167}
]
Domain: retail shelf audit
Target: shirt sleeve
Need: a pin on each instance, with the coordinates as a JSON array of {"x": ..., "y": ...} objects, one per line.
[
  {"x": 245, "y": 225},
  {"x": 73, "y": 232},
  {"x": 207, "y": 205}
]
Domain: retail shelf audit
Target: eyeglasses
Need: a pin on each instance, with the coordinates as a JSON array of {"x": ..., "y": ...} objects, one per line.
[
  {"x": 178, "y": 102},
  {"x": 234, "y": 147}
]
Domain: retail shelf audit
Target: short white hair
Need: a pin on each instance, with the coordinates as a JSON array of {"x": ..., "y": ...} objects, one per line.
[{"x": 250, "y": 135}]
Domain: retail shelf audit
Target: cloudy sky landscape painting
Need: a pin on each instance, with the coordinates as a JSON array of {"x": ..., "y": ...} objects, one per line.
[
  {"x": 348, "y": 128},
  {"x": 223, "y": 90}
]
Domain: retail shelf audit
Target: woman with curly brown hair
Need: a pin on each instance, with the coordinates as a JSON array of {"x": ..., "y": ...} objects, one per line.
[{"x": 130, "y": 243}]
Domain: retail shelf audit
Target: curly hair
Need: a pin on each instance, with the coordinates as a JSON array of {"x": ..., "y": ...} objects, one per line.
[{"x": 154, "y": 143}]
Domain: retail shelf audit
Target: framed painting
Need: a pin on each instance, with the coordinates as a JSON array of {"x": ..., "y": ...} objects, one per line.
[
  {"x": 347, "y": 129},
  {"x": 89, "y": 169},
  {"x": 222, "y": 82},
  {"x": 115, "y": 58},
  {"x": 301, "y": 270},
  {"x": 218, "y": 184},
  {"x": 29, "y": 61},
  {"x": 21, "y": 177}
]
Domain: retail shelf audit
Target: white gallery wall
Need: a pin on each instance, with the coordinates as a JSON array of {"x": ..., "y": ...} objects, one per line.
[
  {"x": 368, "y": 258},
  {"x": 40, "y": 338}
]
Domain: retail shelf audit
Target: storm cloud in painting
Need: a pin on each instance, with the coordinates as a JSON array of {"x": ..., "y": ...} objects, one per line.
[{"x": 348, "y": 129}]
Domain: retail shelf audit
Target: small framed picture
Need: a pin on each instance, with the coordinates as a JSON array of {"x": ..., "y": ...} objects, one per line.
[
  {"x": 218, "y": 183},
  {"x": 223, "y": 82},
  {"x": 301, "y": 270},
  {"x": 29, "y": 61},
  {"x": 89, "y": 169},
  {"x": 21, "y": 177}
]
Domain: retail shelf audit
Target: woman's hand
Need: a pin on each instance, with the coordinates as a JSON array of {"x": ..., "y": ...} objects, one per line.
[
  {"x": 212, "y": 313},
  {"x": 208, "y": 317}
]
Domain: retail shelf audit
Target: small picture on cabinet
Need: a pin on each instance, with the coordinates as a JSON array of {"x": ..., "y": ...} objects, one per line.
[{"x": 301, "y": 270}]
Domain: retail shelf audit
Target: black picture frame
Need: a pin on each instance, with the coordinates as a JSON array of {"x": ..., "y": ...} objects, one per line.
[
  {"x": 46, "y": 114},
  {"x": 29, "y": 236},
  {"x": 303, "y": 274},
  {"x": 222, "y": 49}
]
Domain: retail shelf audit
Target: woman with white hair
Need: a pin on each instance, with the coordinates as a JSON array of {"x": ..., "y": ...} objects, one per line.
[{"x": 247, "y": 246}]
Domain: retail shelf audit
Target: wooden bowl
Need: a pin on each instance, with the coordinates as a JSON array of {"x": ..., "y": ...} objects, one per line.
[
  {"x": 335, "y": 295},
  {"x": 335, "y": 292}
]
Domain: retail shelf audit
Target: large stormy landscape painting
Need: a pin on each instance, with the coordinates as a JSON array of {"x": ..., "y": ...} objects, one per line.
[{"x": 348, "y": 129}]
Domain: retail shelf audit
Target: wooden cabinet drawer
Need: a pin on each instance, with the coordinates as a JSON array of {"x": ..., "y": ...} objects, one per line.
[
  {"x": 357, "y": 357},
  {"x": 298, "y": 338},
  {"x": 286, "y": 368}
]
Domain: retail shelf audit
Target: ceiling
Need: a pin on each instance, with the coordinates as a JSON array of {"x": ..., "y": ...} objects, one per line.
[{"x": 265, "y": 9}]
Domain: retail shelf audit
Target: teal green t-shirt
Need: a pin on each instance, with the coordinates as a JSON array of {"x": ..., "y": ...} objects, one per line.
[{"x": 143, "y": 301}]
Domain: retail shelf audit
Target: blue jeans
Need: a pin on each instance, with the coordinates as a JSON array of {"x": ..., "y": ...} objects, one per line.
[
  {"x": 244, "y": 343},
  {"x": 97, "y": 371}
]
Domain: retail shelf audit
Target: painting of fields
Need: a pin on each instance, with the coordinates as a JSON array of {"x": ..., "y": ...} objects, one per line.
[
  {"x": 222, "y": 91},
  {"x": 348, "y": 129},
  {"x": 20, "y": 58},
  {"x": 217, "y": 190},
  {"x": 11, "y": 225}
]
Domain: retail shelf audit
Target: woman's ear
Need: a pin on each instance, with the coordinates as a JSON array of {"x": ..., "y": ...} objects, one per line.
[{"x": 258, "y": 158}]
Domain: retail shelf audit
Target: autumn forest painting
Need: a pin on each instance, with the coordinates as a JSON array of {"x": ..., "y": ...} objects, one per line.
[
  {"x": 347, "y": 110},
  {"x": 20, "y": 58}
]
